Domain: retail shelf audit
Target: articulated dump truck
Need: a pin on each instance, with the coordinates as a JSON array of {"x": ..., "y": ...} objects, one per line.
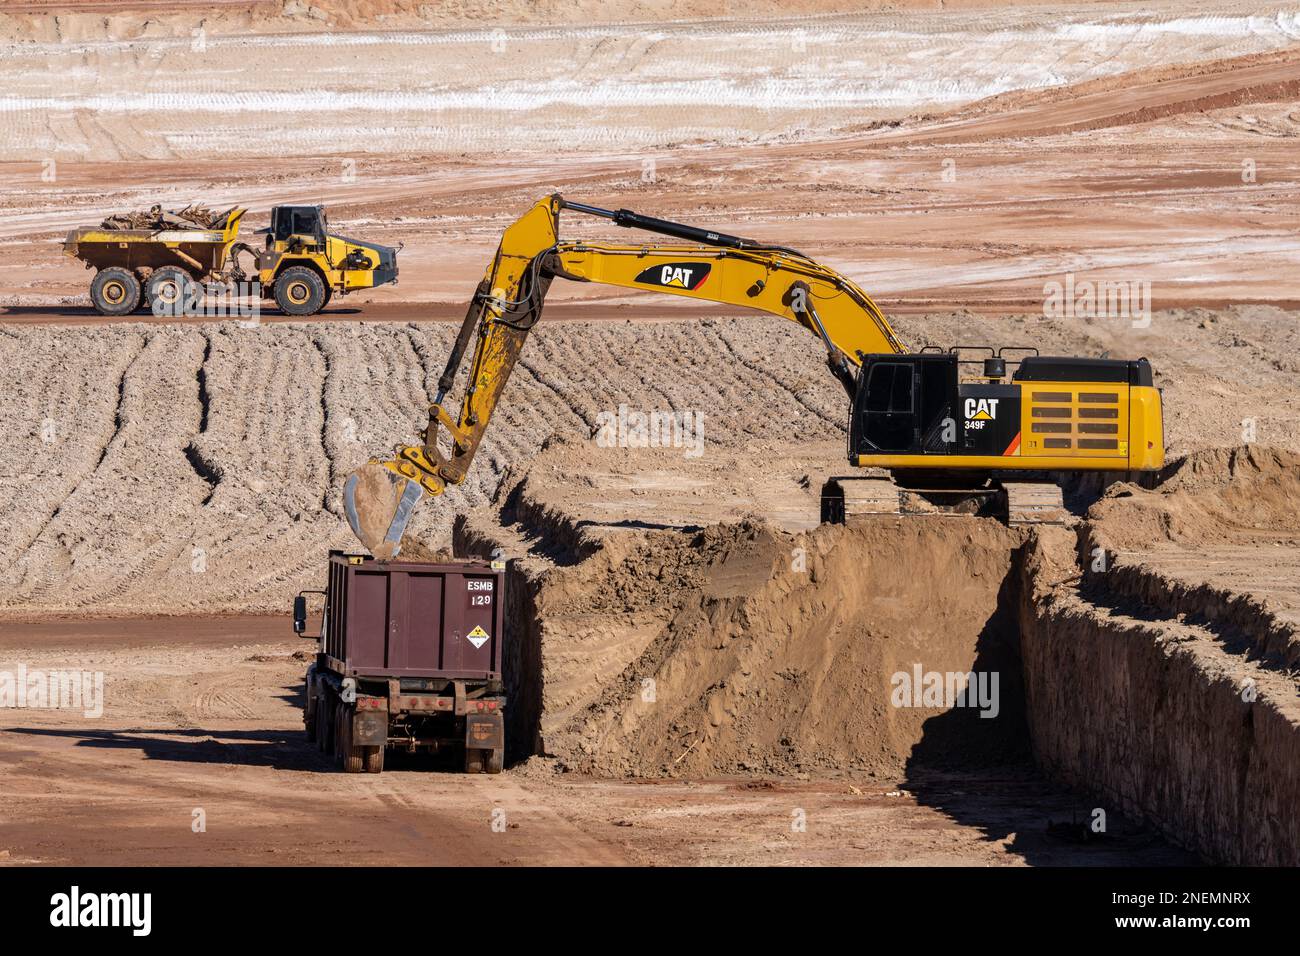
[{"x": 163, "y": 261}]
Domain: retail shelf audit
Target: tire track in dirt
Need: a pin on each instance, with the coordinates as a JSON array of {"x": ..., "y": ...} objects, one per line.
[
  {"x": 205, "y": 468},
  {"x": 721, "y": 336},
  {"x": 118, "y": 369},
  {"x": 165, "y": 368},
  {"x": 327, "y": 493}
]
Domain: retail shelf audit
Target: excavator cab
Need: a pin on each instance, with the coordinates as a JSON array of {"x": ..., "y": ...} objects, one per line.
[{"x": 904, "y": 405}]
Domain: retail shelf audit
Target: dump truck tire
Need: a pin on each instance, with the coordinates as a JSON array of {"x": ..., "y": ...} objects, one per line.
[
  {"x": 484, "y": 761},
  {"x": 169, "y": 291},
  {"x": 350, "y": 758},
  {"x": 325, "y": 721},
  {"x": 299, "y": 291},
  {"x": 311, "y": 705},
  {"x": 115, "y": 291},
  {"x": 374, "y": 759}
]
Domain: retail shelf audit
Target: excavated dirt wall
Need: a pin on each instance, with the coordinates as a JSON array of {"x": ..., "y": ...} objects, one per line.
[
  {"x": 1159, "y": 717},
  {"x": 742, "y": 648}
]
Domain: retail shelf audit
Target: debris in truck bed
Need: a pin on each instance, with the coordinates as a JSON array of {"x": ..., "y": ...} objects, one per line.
[{"x": 193, "y": 216}]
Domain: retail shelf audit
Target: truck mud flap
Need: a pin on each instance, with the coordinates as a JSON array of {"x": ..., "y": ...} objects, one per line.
[
  {"x": 370, "y": 729},
  {"x": 485, "y": 731}
]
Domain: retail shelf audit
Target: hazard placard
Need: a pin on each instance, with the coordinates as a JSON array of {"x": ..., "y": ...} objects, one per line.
[{"x": 478, "y": 637}]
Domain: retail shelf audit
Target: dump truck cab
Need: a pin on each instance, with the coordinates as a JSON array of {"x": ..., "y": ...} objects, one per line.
[{"x": 303, "y": 265}]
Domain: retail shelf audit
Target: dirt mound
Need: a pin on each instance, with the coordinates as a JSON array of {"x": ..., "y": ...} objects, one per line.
[
  {"x": 746, "y": 649},
  {"x": 1248, "y": 495}
]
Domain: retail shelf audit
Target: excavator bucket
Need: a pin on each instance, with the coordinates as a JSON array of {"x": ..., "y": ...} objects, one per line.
[{"x": 379, "y": 504}]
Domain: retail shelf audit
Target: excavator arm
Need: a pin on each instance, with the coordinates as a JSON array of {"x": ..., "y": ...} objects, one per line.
[{"x": 380, "y": 498}]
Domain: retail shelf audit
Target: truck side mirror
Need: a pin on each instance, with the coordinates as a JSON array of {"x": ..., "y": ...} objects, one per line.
[{"x": 299, "y": 614}]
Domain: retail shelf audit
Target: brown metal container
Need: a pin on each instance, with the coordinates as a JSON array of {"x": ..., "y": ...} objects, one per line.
[{"x": 414, "y": 619}]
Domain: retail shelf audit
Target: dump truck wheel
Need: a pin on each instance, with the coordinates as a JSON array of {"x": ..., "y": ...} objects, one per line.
[
  {"x": 493, "y": 759},
  {"x": 351, "y": 759},
  {"x": 115, "y": 291},
  {"x": 473, "y": 760},
  {"x": 374, "y": 759},
  {"x": 310, "y": 708},
  {"x": 169, "y": 291},
  {"x": 325, "y": 722},
  {"x": 299, "y": 291}
]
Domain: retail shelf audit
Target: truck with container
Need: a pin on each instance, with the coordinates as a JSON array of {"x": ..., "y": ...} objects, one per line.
[{"x": 409, "y": 659}]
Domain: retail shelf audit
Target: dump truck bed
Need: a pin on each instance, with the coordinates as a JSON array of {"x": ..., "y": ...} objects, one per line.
[
  {"x": 413, "y": 619},
  {"x": 198, "y": 251}
]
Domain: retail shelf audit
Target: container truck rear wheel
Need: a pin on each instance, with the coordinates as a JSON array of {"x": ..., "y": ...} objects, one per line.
[
  {"x": 484, "y": 761},
  {"x": 311, "y": 705},
  {"x": 350, "y": 758},
  {"x": 325, "y": 721},
  {"x": 115, "y": 291},
  {"x": 374, "y": 759}
]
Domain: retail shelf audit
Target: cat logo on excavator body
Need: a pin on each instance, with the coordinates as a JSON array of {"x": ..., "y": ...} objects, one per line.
[
  {"x": 981, "y": 409},
  {"x": 676, "y": 275}
]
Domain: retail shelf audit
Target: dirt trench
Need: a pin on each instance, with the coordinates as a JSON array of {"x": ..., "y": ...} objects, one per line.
[{"x": 741, "y": 648}]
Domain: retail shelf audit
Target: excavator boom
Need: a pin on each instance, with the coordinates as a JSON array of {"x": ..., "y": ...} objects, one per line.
[{"x": 508, "y": 302}]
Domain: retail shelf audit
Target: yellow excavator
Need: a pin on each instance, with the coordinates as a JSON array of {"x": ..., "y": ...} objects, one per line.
[{"x": 923, "y": 427}]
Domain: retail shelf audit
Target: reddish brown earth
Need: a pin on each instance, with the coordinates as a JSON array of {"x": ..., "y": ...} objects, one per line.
[{"x": 192, "y": 471}]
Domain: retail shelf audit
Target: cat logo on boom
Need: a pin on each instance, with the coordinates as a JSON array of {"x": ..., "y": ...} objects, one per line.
[
  {"x": 676, "y": 275},
  {"x": 980, "y": 410}
]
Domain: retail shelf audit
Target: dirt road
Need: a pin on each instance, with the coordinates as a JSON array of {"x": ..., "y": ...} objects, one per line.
[{"x": 203, "y": 715}]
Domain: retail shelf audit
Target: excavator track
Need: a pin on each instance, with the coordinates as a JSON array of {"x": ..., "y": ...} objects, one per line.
[
  {"x": 1034, "y": 502},
  {"x": 849, "y": 497}
]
